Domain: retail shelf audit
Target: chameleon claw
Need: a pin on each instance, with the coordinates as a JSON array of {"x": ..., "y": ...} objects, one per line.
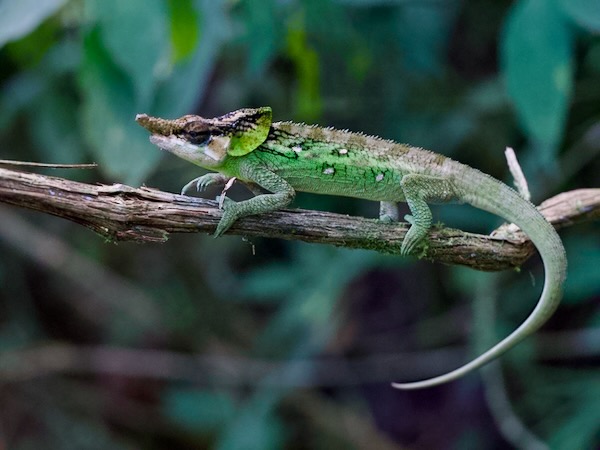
[
  {"x": 199, "y": 182},
  {"x": 230, "y": 214},
  {"x": 407, "y": 247},
  {"x": 222, "y": 227},
  {"x": 207, "y": 180},
  {"x": 224, "y": 201},
  {"x": 218, "y": 232}
]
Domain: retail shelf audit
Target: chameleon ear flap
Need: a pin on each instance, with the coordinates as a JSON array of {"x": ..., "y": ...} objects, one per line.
[{"x": 251, "y": 129}]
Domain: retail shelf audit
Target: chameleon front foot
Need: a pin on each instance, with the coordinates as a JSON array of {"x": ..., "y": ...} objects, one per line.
[{"x": 204, "y": 181}]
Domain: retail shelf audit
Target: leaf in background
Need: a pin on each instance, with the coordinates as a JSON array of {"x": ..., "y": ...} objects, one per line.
[
  {"x": 18, "y": 18},
  {"x": 135, "y": 34},
  {"x": 584, "y": 258},
  {"x": 68, "y": 429},
  {"x": 306, "y": 318},
  {"x": 262, "y": 36},
  {"x": 256, "y": 426},
  {"x": 184, "y": 29},
  {"x": 23, "y": 91},
  {"x": 268, "y": 283},
  {"x": 306, "y": 62},
  {"x": 537, "y": 66},
  {"x": 108, "y": 109},
  {"x": 19, "y": 93},
  {"x": 423, "y": 30},
  {"x": 580, "y": 429},
  {"x": 178, "y": 94},
  {"x": 368, "y": 3},
  {"x": 110, "y": 103},
  {"x": 57, "y": 140},
  {"x": 28, "y": 51},
  {"x": 585, "y": 13},
  {"x": 197, "y": 410},
  {"x": 53, "y": 114}
]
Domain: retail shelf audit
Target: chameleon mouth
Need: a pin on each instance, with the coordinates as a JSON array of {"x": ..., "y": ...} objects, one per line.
[
  {"x": 181, "y": 147},
  {"x": 173, "y": 144},
  {"x": 162, "y": 142}
]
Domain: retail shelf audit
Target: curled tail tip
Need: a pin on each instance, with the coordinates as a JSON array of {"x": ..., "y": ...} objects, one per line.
[
  {"x": 421, "y": 384},
  {"x": 453, "y": 375},
  {"x": 406, "y": 386}
]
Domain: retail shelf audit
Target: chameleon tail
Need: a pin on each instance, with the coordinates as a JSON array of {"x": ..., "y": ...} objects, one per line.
[{"x": 507, "y": 203}]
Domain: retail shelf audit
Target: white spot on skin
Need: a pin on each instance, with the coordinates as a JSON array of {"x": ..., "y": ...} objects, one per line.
[
  {"x": 379, "y": 177},
  {"x": 329, "y": 171},
  {"x": 297, "y": 148},
  {"x": 343, "y": 151}
]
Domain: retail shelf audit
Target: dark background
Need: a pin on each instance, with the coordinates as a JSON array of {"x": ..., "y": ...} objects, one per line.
[{"x": 230, "y": 344}]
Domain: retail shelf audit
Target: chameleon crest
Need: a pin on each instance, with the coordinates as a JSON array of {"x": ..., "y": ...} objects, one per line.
[{"x": 249, "y": 128}]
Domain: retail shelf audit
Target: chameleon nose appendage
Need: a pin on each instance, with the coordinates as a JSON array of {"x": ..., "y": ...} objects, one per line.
[
  {"x": 144, "y": 120},
  {"x": 155, "y": 125}
]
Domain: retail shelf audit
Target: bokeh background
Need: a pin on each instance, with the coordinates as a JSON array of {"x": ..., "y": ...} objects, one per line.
[{"x": 226, "y": 344}]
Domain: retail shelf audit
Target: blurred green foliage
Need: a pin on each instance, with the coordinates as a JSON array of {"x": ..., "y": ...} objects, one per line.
[{"x": 228, "y": 344}]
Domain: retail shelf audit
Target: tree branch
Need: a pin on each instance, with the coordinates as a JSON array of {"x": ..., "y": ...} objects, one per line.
[{"x": 119, "y": 212}]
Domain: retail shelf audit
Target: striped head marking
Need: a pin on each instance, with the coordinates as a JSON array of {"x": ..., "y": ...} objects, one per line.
[
  {"x": 207, "y": 142},
  {"x": 248, "y": 128}
]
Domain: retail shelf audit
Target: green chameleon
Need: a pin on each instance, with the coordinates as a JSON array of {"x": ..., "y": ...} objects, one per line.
[{"x": 277, "y": 159}]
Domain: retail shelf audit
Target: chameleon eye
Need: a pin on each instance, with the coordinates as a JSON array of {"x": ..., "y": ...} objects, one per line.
[
  {"x": 196, "y": 133},
  {"x": 197, "y": 137}
]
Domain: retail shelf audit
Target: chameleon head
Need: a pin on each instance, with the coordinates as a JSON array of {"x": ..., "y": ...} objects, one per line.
[{"x": 208, "y": 142}]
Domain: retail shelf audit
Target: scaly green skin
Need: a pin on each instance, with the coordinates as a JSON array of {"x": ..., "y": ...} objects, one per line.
[{"x": 285, "y": 157}]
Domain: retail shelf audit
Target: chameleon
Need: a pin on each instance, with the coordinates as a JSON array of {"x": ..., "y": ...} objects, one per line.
[{"x": 276, "y": 159}]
